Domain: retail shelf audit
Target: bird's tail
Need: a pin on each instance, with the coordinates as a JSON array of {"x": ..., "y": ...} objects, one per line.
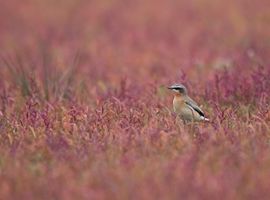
[{"x": 205, "y": 119}]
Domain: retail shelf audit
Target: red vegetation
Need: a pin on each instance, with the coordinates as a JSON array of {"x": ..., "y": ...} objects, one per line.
[{"x": 85, "y": 114}]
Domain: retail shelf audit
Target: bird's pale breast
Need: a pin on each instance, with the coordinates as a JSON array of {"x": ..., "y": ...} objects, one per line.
[{"x": 183, "y": 110}]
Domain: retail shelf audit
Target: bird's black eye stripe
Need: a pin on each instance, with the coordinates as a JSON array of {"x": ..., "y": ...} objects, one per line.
[{"x": 180, "y": 89}]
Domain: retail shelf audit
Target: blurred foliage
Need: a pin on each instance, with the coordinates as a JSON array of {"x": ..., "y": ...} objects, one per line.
[{"x": 85, "y": 113}]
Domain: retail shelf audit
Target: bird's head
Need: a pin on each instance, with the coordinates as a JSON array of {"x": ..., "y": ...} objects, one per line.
[{"x": 179, "y": 89}]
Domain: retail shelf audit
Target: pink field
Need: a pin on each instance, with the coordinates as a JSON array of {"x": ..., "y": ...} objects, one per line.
[{"x": 85, "y": 113}]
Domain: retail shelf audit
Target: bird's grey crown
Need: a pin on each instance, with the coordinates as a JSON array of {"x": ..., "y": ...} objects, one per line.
[{"x": 176, "y": 86}]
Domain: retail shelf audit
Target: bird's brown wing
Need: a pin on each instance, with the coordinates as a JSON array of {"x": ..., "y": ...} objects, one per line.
[{"x": 193, "y": 105}]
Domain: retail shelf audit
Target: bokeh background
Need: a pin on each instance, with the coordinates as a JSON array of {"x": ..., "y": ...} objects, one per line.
[{"x": 85, "y": 112}]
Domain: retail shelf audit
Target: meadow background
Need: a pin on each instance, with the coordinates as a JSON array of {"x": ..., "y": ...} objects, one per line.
[{"x": 85, "y": 113}]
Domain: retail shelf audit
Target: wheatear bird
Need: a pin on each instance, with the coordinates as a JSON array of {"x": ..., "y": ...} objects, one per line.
[{"x": 184, "y": 106}]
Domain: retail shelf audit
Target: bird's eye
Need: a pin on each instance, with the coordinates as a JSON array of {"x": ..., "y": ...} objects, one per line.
[{"x": 181, "y": 90}]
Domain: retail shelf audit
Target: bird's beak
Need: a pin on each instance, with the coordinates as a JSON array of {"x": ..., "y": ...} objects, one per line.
[{"x": 170, "y": 88}]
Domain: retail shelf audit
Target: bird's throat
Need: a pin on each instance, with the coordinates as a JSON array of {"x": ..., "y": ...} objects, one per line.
[{"x": 178, "y": 95}]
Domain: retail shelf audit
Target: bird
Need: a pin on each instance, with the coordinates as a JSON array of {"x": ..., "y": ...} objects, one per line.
[{"x": 186, "y": 108}]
